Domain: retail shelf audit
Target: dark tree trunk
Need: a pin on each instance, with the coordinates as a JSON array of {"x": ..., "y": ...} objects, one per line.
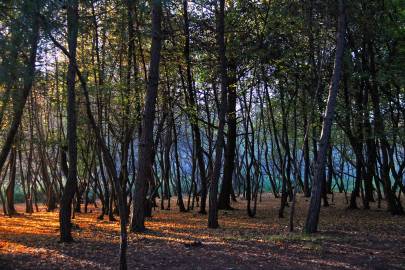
[
  {"x": 311, "y": 225},
  {"x": 371, "y": 160},
  {"x": 167, "y": 143},
  {"x": 146, "y": 140},
  {"x": 28, "y": 80},
  {"x": 359, "y": 175},
  {"x": 193, "y": 119},
  {"x": 394, "y": 205},
  {"x": 178, "y": 176},
  {"x": 329, "y": 180},
  {"x": 224, "y": 201},
  {"x": 307, "y": 191},
  {"x": 71, "y": 182},
  {"x": 108, "y": 159},
  {"x": 213, "y": 200},
  {"x": 11, "y": 184}
]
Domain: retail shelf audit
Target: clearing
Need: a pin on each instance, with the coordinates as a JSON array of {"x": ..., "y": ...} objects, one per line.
[{"x": 352, "y": 239}]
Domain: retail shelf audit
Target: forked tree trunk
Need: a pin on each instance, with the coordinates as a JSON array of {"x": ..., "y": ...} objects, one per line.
[
  {"x": 213, "y": 200},
  {"x": 146, "y": 140},
  {"x": 394, "y": 204}
]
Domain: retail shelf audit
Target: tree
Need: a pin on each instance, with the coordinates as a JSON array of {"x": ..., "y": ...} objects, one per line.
[
  {"x": 311, "y": 224},
  {"x": 190, "y": 101},
  {"x": 33, "y": 37},
  {"x": 146, "y": 140},
  {"x": 213, "y": 200},
  {"x": 224, "y": 201},
  {"x": 71, "y": 182}
]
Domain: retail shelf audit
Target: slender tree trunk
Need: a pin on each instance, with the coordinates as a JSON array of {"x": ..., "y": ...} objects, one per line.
[
  {"x": 146, "y": 139},
  {"x": 108, "y": 159},
  {"x": 307, "y": 190},
  {"x": 357, "y": 146},
  {"x": 315, "y": 203},
  {"x": 193, "y": 117},
  {"x": 224, "y": 201},
  {"x": 394, "y": 205},
  {"x": 178, "y": 175},
  {"x": 213, "y": 200},
  {"x": 28, "y": 80},
  {"x": 11, "y": 183},
  {"x": 71, "y": 182}
]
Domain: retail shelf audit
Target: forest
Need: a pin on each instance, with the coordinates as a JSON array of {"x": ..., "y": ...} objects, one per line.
[{"x": 202, "y": 134}]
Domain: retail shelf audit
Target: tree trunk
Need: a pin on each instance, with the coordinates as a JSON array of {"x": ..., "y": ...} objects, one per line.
[
  {"x": 178, "y": 176},
  {"x": 11, "y": 184},
  {"x": 224, "y": 201},
  {"x": 146, "y": 139},
  {"x": 71, "y": 182},
  {"x": 213, "y": 200},
  {"x": 315, "y": 203},
  {"x": 394, "y": 205},
  {"x": 193, "y": 117},
  {"x": 28, "y": 80}
]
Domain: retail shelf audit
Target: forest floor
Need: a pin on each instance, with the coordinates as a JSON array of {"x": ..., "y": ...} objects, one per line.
[{"x": 359, "y": 239}]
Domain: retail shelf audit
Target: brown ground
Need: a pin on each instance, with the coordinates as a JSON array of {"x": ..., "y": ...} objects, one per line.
[{"x": 359, "y": 239}]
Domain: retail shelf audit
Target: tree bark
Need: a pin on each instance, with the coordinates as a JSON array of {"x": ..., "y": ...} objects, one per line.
[
  {"x": 213, "y": 200},
  {"x": 71, "y": 182},
  {"x": 178, "y": 175},
  {"x": 190, "y": 99},
  {"x": 11, "y": 184},
  {"x": 224, "y": 201},
  {"x": 311, "y": 225},
  {"x": 146, "y": 139}
]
